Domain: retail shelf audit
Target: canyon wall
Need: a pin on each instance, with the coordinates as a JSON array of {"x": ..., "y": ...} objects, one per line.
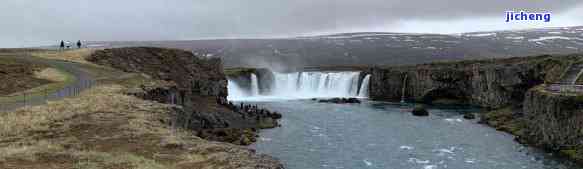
[
  {"x": 486, "y": 83},
  {"x": 554, "y": 120}
]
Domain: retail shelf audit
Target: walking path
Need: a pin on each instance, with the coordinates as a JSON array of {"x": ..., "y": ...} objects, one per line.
[
  {"x": 83, "y": 80},
  {"x": 571, "y": 76},
  {"x": 568, "y": 82}
]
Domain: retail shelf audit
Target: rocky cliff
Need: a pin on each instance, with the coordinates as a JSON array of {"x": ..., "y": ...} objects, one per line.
[
  {"x": 194, "y": 75},
  {"x": 198, "y": 84},
  {"x": 487, "y": 83},
  {"x": 554, "y": 120},
  {"x": 535, "y": 112}
]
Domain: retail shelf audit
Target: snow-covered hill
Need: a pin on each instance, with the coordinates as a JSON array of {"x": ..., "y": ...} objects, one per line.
[{"x": 380, "y": 48}]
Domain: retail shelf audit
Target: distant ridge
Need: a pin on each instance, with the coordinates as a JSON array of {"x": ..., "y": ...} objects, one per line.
[{"x": 378, "y": 48}]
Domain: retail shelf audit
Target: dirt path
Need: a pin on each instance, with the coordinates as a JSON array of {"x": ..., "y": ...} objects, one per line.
[
  {"x": 572, "y": 74},
  {"x": 567, "y": 84},
  {"x": 83, "y": 80}
]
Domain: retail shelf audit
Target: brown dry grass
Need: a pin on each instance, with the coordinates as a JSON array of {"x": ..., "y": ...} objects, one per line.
[
  {"x": 76, "y": 55},
  {"x": 51, "y": 74},
  {"x": 103, "y": 128}
]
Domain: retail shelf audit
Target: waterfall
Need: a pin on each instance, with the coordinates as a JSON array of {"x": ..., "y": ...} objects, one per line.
[
  {"x": 302, "y": 85},
  {"x": 315, "y": 84},
  {"x": 235, "y": 91},
  {"x": 254, "y": 85},
  {"x": 363, "y": 92},
  {"x": 404, "y": 88}
]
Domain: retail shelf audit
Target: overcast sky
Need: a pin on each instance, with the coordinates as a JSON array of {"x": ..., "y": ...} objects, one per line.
[{"x": 43, "y": 22}]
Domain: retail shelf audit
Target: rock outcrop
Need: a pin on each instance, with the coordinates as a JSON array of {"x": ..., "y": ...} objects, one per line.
[
  {"x": 487, "y": 83},
  {"x": 420, "y": 110},
  {"x": 554, "y": 120},
  {"x": 340, "y": 100},
  {"x": 198, "y": 84},
  {"x": 194, "y": 75}
]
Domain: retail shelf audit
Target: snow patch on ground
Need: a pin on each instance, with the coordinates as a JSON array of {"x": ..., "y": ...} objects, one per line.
[
  {"x": 549, "y": 38},
  {"x": 481, "y": 34},
  {"x": 515, "y": 37},
  {"x": 570, "y": 47}
]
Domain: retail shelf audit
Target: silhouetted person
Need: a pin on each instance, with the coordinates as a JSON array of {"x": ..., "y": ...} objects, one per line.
[
  {"x": 79, "y": 44},
  {"x": 62, "y": 45}
]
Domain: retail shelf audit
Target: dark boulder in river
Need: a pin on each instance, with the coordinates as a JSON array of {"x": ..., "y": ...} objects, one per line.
[
  {"x": 420, "y": 110},
  {"x": 340, "y": 100},
  {"x": 469, "y": 116}
]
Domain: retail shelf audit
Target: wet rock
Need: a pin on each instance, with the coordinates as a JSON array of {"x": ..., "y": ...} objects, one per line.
[
  {"x": 469, "y": 116},
  {"x": 340, "y": 100},
  {"x": 420, "y": 110}
]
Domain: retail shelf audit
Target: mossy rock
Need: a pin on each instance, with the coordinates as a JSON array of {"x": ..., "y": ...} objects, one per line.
[{"x": 574, "y": 154}]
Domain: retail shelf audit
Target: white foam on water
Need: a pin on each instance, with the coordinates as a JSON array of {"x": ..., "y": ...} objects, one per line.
[
  {"x": 418, "y": 161},
  {"x": 430, "y": 167},
  {"x": 406, "y": 148},
  {"x": 454, "y": 120},
  {"x": 368, "y": 163}
]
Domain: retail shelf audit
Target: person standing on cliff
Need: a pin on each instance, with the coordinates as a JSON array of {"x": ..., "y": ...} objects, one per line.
[
  {"x": 62, "y": 47},
  {"x": 79, "y": 44}
]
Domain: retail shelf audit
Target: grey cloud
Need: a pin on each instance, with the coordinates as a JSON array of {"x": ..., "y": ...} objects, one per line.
[{"x": 30, "y": 21}]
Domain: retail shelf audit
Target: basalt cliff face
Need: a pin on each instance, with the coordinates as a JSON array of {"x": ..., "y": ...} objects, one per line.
[
  {"x": 487, "y": 83},
  {"x": 554, "y": 120}
]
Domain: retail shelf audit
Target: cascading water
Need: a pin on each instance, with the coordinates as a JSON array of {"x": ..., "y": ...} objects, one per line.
[
  {"x": 404, "y": 88},
  {"x": 363, "y": 92},
  {"x": 254, "y": 85},
  {"x": 235, "y": 91},
  {"x": 302, "y": 85},
  {"x": 315, "y": 84}
]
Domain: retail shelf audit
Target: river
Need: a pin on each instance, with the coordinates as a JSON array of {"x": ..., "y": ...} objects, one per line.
[{"x": 382, "y": 135}]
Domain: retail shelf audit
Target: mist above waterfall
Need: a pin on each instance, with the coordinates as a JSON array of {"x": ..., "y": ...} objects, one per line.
[{"x": 302, "y": 85}]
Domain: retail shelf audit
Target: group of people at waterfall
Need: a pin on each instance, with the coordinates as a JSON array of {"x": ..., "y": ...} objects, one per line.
[{"x": 67, "y": 45}]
